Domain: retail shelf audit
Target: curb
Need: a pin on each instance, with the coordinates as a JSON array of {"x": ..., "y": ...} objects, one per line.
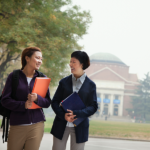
[{"x": 114, "y": 138}]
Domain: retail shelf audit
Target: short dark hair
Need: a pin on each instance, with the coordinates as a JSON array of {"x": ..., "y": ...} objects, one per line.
[
  {"x": 29, "y": 51},
  {"x": 82, "y": 57}
]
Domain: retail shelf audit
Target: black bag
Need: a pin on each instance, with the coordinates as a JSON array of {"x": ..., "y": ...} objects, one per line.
[{"x": 6, "y": 112}]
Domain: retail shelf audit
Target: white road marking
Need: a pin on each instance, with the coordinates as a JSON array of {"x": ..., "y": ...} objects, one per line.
[{"x": 109, "y": 147}]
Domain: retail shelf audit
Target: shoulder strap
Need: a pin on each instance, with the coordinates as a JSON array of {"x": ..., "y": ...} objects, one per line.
[
  {"x": 15, "y": 82},
  {"x": 5, "y": 126},
  {"x": 40, "y": 74}
]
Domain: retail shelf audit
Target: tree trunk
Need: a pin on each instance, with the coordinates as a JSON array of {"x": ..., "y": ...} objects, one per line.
[{"x": 5, "y": 60}]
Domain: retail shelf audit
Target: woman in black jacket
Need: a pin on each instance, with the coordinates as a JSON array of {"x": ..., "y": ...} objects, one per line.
[{"x": 80, "y": 83}]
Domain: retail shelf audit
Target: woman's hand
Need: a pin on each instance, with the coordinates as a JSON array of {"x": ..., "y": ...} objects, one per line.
[
  {"x": 32, "y": 97},
  {"x": 28, "y": 104},
  {"x": 69, "y": 117},
  {"x": 70, "y": 112}
]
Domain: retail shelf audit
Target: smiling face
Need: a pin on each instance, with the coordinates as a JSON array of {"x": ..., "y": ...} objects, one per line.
[
  {"x": 35, "y": 60},
  {"x": 76, "y": 67}
]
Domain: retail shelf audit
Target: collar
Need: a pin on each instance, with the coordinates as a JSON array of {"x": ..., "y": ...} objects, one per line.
[
  {"x": 35, "y": 75},
  {"x": 82, "y": 78}
]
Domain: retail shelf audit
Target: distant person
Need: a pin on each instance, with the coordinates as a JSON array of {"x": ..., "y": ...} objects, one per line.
[
  {"x": 26, "y": 125},
  {"x": 80, "y": 83}
]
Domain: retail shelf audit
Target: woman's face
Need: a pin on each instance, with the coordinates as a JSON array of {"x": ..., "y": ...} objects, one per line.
[
  {"x": 76, "y": 66},
  {"x": 35, "y": 60}
]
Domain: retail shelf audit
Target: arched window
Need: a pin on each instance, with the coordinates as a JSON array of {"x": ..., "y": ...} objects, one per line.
[
  {"x": 105, "y": 111},
  {"x": 116, "y": 110}
]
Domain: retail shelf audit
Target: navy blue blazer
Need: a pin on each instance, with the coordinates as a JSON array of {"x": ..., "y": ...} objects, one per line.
[{"x": 87, "y": 93}]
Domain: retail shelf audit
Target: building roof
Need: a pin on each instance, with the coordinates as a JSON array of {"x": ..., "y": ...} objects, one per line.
[{"x": 105, "y": 57}]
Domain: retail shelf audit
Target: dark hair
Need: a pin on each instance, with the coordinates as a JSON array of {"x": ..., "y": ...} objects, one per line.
[
  {"x": 82, "y": 57},
  {"x": 29, "y": 51}
]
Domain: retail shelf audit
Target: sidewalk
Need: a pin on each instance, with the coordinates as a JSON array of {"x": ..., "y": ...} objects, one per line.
[{"x": 93, "y": 144}]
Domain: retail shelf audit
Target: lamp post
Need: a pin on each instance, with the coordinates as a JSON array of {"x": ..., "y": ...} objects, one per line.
[{"x": 145, "y": 97}]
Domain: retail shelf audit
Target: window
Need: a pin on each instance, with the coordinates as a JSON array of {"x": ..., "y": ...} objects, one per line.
[
  {"x": 116, "y": 96},
  {"x": 98, "y": 95},
  {"x": 106, "y": 105},
  {"x": 106, "y": 96},
  {"x": 99, "y": 106}
]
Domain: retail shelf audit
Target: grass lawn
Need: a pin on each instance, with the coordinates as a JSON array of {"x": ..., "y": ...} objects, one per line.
[
  {"x": 113, "y": 129},
  {"x": 48, "y": 124},
  {"x": 120, "y": 130}
]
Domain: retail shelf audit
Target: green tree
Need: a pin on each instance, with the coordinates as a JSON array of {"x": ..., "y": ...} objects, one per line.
[
  {"x": 141, "y": 102},
  {"x": 55, "y": 26}
]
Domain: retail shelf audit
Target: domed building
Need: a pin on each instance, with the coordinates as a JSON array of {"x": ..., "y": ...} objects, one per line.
[{"x": 115, "y": 85}]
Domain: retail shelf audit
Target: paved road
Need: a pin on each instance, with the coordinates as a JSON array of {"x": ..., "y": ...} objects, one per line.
[{"x": 94, "y": 144}]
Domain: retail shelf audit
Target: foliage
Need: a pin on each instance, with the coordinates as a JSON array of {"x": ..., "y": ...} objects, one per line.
[
  {"x": 55, "y": 26},
  {"x": 141, "y": 102}
]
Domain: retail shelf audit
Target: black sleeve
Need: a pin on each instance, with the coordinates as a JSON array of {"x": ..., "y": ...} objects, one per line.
[{"x": 58, "y": 97}]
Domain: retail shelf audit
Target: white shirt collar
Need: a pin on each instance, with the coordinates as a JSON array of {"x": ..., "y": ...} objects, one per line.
[{"x": 82, "y": 78}]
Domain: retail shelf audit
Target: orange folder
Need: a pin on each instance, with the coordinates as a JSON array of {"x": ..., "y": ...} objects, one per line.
[{"x": 40, "y": 87}]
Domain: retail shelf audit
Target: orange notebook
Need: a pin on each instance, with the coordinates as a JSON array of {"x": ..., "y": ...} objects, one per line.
[{"x": 40, "y": 87}]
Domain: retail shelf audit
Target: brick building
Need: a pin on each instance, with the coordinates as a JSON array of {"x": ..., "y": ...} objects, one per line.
[{"x": 115, "y": 85}]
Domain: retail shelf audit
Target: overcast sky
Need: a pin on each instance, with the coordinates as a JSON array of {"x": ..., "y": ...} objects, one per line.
[{"x": 122, "y": 28}]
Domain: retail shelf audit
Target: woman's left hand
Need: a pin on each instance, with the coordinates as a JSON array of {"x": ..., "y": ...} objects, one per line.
[{"x": 32, "y": 97}]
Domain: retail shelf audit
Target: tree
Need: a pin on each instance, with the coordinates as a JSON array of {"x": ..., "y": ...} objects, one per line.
[
  {"x": 55, "y": 26},
  {"x": 141, "y": 102}
]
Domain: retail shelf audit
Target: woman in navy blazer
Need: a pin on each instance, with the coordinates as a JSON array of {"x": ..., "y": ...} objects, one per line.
[{"x": 80, "y": 83}]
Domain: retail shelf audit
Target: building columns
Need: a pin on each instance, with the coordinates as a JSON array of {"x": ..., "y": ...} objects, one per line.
[
  {"x": 111, "y": 105},
  {"x": 121, "y": 106},
  {"x": 102, "y": 107}
]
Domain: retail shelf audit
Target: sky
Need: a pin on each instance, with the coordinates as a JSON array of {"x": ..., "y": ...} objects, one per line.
[{"x": 119, "y": 27}]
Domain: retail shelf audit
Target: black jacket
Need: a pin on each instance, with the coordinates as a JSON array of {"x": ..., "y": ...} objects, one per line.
[{"x": 87, "y": 93}]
